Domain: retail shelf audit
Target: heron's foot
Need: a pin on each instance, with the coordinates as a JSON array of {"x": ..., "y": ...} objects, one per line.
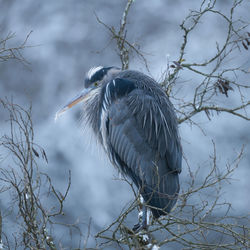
[{"x": 140, "y": 226}]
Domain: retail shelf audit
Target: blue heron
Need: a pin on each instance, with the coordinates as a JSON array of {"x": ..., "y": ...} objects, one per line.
[{"x": 134, "y": 120}]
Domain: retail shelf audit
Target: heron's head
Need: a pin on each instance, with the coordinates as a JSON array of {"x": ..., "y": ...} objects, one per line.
[{"x": 95, "y": 78}]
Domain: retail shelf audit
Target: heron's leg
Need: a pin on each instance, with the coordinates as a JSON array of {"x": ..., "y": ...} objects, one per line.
[
  {"x": 143, "y": 218},
  {"x": 143, "y": 223}
]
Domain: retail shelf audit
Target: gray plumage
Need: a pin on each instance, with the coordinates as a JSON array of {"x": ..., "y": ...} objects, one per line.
[
  {"x": 140, "y": 135},
  {"x": 136, "y": 124}
]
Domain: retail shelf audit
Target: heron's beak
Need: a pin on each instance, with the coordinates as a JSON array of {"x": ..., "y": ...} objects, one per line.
[{"x": 73, "y": 102}]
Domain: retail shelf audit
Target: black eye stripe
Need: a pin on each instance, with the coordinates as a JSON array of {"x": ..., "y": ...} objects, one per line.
[{"x": 97, "y": 76}]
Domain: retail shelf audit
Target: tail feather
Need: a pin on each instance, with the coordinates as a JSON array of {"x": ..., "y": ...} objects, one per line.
[{"x": 162, "y": 197}]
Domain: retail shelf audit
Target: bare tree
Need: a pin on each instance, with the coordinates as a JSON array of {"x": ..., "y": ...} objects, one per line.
[
  {"x": 194, "y": 222},
  {"x": 23, "y": 180}
]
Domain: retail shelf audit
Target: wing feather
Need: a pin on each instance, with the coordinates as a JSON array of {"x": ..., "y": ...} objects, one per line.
[
  {"x": 144, "y": 143},
  {"x": 152, "y": 118}
]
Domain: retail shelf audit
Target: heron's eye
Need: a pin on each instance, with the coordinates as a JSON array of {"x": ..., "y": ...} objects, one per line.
[{"x": 95, "y": 84}]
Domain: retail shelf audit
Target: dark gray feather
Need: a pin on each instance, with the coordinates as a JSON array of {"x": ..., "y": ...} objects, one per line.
[{"x": 143, "y": 139}]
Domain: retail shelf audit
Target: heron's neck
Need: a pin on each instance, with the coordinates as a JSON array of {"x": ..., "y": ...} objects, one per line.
[{"x": 92, "y": 110}]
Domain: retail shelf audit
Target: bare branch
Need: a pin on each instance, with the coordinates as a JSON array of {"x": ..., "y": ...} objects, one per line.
[
  {"x": 125, "y": 48},
  {"x": 10, "y": 53}
]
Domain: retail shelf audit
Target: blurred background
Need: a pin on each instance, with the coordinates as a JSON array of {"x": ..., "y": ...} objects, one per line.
[{"x": 66, "y": 41}]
